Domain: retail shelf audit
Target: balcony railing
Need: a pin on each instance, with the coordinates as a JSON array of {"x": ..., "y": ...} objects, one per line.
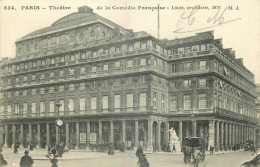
[
  {"x": 77, "y": 113},
  {"x": 235, "y": 115}
]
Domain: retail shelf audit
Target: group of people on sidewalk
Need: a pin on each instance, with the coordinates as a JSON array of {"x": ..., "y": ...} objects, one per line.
[{"x": 26, "y": 160}]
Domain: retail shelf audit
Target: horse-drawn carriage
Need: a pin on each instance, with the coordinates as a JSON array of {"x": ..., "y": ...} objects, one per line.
[{"x": 189, "y": 145}]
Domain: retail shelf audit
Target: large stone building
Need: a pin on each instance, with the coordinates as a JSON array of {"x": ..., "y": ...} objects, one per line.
[
  {"x": 257, "y": 108},
  {"x": 117, "y": 85}
]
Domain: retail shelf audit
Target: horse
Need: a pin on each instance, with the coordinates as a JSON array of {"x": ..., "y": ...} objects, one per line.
[{"x": 187, "y": 154}]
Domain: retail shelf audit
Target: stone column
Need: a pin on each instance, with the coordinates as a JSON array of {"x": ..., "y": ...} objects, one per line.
[
  {"x": 180, "y": 132},
  {"x": 6, "y": 136},
  {"x": 226, "y": 136},
  {"x": 111, "y": 132},
  {"x": 234, "y": 135},
  {"x": 217, "y": 136},
  {"x": 230, "y": 136},
  {"x": 159, "y": 136},
  {"x": 194, "y": 128},
  {"x": 100, "y": 132},
  {"x": 167, "y": 133},
  {"x": 14, "y": 134},
  {"x": 38, "y": 136},
  {"x": 212, "y": 133},
  {"x": 30, "y": 134},
  {"x": 88, "y": 134},
  {"x": 77, "y": 135},
  {"x": 222, "y": 135},
  {"x": 47, "y": 135},
  {"x": 57, "y": 134},
  {"x": 150, "y": 135},
  {"x": 123, "y": 131},
  {"x": 136, "y": 134},
  {"x": 21, "y": 136},
  {"x": 67, "y": 135}
]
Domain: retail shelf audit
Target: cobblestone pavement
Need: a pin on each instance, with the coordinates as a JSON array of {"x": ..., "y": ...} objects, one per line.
[{"x": 127, "y": 159}]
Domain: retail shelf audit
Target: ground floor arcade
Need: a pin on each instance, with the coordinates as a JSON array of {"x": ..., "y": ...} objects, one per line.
[{"x": 152, "y": 133}]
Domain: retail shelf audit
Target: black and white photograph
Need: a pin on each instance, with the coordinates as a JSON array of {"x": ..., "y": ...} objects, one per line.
[{"x": 129, "y": 83}]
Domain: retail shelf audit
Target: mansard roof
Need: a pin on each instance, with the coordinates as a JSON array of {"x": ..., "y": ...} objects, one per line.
[
  {"x": 198, "y": 37},
  {"x": 84, "y": 15}
]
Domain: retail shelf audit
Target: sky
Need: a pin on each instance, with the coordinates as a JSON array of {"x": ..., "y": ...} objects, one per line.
[{"x": 239, "y": 28}]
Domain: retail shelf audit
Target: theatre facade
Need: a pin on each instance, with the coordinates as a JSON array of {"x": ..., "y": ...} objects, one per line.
[{"x": 108, "y": 84}]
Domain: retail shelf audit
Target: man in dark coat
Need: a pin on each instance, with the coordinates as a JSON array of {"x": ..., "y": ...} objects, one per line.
[
  {"x": 211, "y": 149},
  {"x": 142, "y": 161},
  {"x": 26, "y": 160},
  {"x": 139, "y": 151}
]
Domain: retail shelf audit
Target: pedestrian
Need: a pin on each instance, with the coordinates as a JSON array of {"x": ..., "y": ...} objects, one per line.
[
  {"x": 16, "y": 147},
  {"x": 26, "y": 160},
  {"x": 31, "y": 147},
  {"x": 254, "y": 150},
  {"x": 211, "y": 149},
  {"x": 139, "y": 151},
  {"x": 54, "y": 161},
  {"x": 110, "y": 149},
  {"x": 142, "y": 162},
  {"x": 3, "y": 162}
]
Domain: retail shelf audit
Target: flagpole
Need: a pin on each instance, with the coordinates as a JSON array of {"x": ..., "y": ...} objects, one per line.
[{"x": 158, "y": 21}]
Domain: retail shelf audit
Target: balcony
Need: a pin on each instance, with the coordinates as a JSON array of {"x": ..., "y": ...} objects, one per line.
[
  {"x": 192, "y": 111},
  {"x": 89, "y": 112},
  {"x": 235, "y": 115}
]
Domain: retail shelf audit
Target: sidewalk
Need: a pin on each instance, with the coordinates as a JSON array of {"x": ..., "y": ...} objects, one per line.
[{"x": 40, "y": 154}]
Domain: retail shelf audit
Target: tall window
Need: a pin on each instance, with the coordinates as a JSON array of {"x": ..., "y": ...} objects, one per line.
[
  {"x": 173, "y": 103},
  {"x": 71, "y": 105},
  {"x": 93, "y": 103},
  {"x": 33, "y": 77},
  {"x": 143, "y": 62},
  {"x": 142, "y": 100},
  {"x": 155, "y": 100},
  {"x": 202, "y": 101},
  {"x": 51, "y": 106},
  {"x": 203, "y": 65},
  {"x": 16, "y": 109},
  {"x": 105, "y": 102},
  {"x": 61, "y": 88},
  {"x": 33, "y": 108},
  {"x": 130, "y": 63},
  {"x": 187, "y": 102},
  {"x": 72, "y": 58},
  {"x": 117, "y": 64},
  {"x": 71, "y": 71},
  {"x": 105, "y": 67},
  {"x": 62, "y": 105},
  {"x": 42, "y": 91},
  {"x": 43, "y": 62},
  {"x": 163, "y": 102},
  {"x": 187, "y": 67},
  {"x": 61, "y": 73},
  {"x": 82, "y": 104},
  {"x": 25, "y": 108},
  {"x": 117, "y": 101},
  {"x": 187, "y": 83},
  {"x": 174, "y": 68},
  {"x": 130, "y": 102},
  {"x": 82, "y": 86},
  {"x": 9, "y": 109},
  {"x": 52, "y": 75},
  {"x": 33, "y": 91},
  {"x": 62, "y": 59},
  {"x": 52, "y": 89},
  {"x": 71, "y": 87},
  {"x": 42, "y": 76},
  {"x": 202, "y": 82},
  {"x": 42, "y": 107},
  {"x": 52, "y": 60}
]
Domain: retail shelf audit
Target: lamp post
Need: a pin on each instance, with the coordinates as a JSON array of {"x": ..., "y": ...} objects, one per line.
[{"x": 59, "y": 122}]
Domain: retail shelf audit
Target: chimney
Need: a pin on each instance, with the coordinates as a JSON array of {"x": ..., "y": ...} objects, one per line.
[{"x": 85, "y": 9}]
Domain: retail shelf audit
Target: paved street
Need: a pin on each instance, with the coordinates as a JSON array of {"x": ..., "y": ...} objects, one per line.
[{"x": 128, "y": 159}]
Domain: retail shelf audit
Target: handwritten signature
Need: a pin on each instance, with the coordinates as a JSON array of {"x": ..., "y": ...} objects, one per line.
[{"x": 216, "y": 20}]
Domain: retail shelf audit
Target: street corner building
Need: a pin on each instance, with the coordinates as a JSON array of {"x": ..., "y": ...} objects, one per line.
[{"x": 109, "y": 84}]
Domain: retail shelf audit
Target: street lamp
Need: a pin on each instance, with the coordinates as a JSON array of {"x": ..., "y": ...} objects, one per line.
[{"x": 59, "y": 122}]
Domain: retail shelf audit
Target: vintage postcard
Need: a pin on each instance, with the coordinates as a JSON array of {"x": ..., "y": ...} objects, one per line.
[{"x": 126, "y": 83}]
